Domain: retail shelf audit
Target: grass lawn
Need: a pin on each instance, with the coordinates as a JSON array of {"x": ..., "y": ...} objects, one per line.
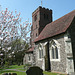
[
  {"x": 22, "y": 69},
  {"x": 50, "y": 73},
  {"x": 18, "y": 73},
  {"x": 16, "y": 67}
]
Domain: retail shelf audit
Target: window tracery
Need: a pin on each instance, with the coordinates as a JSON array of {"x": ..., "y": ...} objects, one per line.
[
  {"x": 54, "y": 50},
  {"x": 40, "y": 52}
]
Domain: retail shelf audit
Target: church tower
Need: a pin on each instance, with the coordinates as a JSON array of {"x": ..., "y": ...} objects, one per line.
[{"x": 40, "y": 18}]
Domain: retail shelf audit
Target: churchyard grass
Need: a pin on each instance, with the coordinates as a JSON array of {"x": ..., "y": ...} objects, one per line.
[
  {"x": 50, "y": 73},
  {"x": 8, "y": 71},
  {"x": 21, "y": 68},
  {"x": 16, "y": 67}
]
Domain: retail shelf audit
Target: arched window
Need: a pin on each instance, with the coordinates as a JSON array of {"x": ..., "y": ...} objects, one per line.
[
  {"x": 36, "y": 25},
  {"x": 29, "y": 57},
  {"x": 40, "y": 52},
  {"x": 35, "y": 17},
  {"x": 44, "y": 16},
  {"x": 54, "y": 53},
  {"x": 54, "y": 50},
  {"x": 36, "y": 34}
]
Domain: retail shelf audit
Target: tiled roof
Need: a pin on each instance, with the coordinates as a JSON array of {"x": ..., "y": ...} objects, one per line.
[
  {"x": 57, "y": 27},
  {"x": 30, "y": 50}
]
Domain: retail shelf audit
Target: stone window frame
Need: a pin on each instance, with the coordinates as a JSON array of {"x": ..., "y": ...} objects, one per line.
[
  {"x": 36, "y": 25},
  {"x": 36, "y": 35},
  {"x": 35, "y": 17},
  {"x": 54, "y": 52},
  {"x": 29, "y": 58},
  {"x": 57, "y": 45},
  {"x": 46, "y": 16},
  {"x": 40, "y": 49}
]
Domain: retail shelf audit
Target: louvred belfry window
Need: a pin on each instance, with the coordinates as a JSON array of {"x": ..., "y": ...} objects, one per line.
[{"x": 35, "y": 17}]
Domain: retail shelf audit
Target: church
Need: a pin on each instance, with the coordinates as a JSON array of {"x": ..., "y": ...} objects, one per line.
[{"x": 52, "y": 42}]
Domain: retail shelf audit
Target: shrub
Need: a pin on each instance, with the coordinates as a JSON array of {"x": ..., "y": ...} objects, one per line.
[
  {"x": 7, "y": 64},
  {"x": 26, "y": 66}
]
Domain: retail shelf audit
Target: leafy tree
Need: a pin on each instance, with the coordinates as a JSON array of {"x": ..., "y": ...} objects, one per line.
[
  {"x": 12, "y": 28},
  {"x": 17, "y": 51}
]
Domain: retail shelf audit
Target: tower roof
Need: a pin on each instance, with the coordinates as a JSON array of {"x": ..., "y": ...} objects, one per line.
[{"x": 41, "y": 8}]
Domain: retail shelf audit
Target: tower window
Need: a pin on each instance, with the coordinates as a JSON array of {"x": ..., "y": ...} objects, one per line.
[
  {"x": 33, "y": 35},
  {"x": 36, "y": 26},
  {"x": 44, "y": 16},
  {"x": 47, "y": 16},
  {"x": 35, "y": 18},
  {"x": 36, "y": 34}
]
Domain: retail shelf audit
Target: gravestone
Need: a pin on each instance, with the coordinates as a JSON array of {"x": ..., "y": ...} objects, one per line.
[
  {"x": 9, "y": 74},
  {"x": 13, "y": 74},
  {"x": 34, "y": 71},
  {"x": 5, "y": 74}
]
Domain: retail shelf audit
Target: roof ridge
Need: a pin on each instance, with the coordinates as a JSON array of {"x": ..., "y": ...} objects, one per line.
[
  {"x": 63, "y": 16},
  {"x": 59, "y": 18}
]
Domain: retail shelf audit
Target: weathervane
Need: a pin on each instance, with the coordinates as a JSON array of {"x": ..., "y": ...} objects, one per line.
[{"x": 41, "y": 2}]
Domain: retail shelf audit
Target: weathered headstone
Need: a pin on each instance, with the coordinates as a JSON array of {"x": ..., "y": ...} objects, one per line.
[
  {"x": 5, "y": 74},
  {"x": 13, "y": 74},
  {"x": 9, "y": 73},
  {"x": 34, "y": 71}
]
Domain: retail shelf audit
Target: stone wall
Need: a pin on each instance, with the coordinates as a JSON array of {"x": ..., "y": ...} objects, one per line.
[
  {"x": 57, "y": 66},
  {"x": 39, "y": 62},
  {"x": 72, "y": 35},
  {"x": 28, "y": 58},
  {"x": 60, "y": 66}
]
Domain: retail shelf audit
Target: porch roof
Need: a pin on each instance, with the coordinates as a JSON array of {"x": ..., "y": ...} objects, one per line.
[{"x": 30, "y": 50}]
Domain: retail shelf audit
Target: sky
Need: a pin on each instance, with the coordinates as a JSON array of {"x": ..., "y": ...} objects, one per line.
[{"x": 26, "y": 7}]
